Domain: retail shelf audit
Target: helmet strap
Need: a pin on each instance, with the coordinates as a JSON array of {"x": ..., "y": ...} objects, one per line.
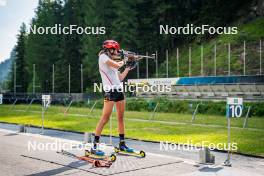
[{"x": 107, "y": 52}]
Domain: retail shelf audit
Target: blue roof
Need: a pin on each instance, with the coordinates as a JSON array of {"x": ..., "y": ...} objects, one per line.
[{"x": 221, "y": 80}]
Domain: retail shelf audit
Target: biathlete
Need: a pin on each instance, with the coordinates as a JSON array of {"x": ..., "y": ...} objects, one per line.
[{"x": 113, "y": 93}]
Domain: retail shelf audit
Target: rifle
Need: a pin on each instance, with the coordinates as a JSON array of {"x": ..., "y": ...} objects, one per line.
[
  {"x": 131, "y": 59},
  {"x": 129, "y": 54}
]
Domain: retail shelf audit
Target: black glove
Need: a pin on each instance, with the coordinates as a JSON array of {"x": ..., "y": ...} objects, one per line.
[{"x": 131, "y": 64}]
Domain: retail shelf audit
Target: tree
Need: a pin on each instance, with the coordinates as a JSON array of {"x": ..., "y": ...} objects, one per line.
[
  {"x": 20, "y": 82},
  {"x": 44, "y": 50}
]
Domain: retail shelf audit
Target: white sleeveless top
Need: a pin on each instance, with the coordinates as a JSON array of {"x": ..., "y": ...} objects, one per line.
[{"x": 109, "y": 75}]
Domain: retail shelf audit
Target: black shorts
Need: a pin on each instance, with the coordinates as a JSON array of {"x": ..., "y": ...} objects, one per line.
[{"x": 114, "y": 95}]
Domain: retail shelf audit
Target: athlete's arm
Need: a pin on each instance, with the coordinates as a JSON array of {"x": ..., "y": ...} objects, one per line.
[
  {"x": 123, "y": 74},
  {"x": 114, "y": 64}
]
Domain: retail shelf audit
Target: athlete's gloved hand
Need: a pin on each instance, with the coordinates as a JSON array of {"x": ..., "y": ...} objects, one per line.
[
  {"x": 131, "y": 64},
  {"x": 130, "y": 61}
]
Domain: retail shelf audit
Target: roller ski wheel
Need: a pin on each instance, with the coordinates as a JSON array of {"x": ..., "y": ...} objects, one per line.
[
  {"x": 112, "y": 157},
  {"x": 142, "y": 154},
  {"x": 116, "y": 150}
]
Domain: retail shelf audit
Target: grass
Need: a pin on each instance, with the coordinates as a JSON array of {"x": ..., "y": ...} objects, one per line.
[{"x": 249, "y": 141}]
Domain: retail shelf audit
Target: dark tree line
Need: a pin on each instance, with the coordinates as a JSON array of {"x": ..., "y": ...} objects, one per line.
[{"x": 134, "y": 23}]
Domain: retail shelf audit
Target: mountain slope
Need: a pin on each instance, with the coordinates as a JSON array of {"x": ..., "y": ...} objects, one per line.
[
  {"x": 251, "y": 32},
  {"x": 4, "y": 69}
]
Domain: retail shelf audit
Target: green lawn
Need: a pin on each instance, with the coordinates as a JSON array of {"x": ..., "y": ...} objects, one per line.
[{"x": 250, "y": 141}]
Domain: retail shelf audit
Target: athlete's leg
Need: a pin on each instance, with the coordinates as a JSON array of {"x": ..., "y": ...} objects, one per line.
[
  {"x": 120, "y": 109},
  {"x": 107, "y": 110}
]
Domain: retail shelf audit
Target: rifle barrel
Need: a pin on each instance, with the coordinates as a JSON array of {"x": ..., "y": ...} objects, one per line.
[{"x": 143, "y": 56}]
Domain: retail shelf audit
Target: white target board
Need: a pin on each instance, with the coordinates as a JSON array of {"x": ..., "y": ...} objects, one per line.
[
  {"x": 46, "y": 100},
  {"x": 234, "y": 107},
  {"x": 1, "y": 98}
]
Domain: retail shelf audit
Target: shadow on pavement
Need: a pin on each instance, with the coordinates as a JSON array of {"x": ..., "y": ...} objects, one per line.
[
  {"x": 209, "y": 169},
  {"x": 71, "y": 166}
]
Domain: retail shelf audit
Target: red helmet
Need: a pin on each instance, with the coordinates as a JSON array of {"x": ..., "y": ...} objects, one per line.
[{"x": 111, "y": 44}]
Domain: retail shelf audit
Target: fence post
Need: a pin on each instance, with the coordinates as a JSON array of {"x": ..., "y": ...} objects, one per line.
[
  {"x": 91, "y": 111},
  {"x": 34, "y": 78},
  {"x": 246, "y": 119},
  {"x": 69, "y": 81},
  {"x": 157, "y": 67},
  {"x": 190, "y": 61},
  {"x": 260, "y": 59},
  {"x": 195, "y": 112},
  {"x": 178, "y": 66},
  {"x": 81, "y": 78},
  {"x": 229, "y": 59},
  {"x": 53, "y": 78},
  {"x": 147, "y": 66},
  {"x": 154, "y": 112},
  {"x": 244, "y": 58},
  {"x": 215, "y": 59},
  {"x": 138, "y": 70},
  {"x": 167, "y": 63},
  {"x": 15, "y": 78},
  {"x": 202, "y": 60}
]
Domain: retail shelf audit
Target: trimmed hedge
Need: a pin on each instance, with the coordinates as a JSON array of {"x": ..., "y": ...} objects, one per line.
[{"x": 180, "y": 106}]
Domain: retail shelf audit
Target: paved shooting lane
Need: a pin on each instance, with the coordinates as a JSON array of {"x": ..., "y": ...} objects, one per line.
[
  {"x": 14, "y": 153},
  {"x": 17, "y": 160},
  {"x": 13, "y": 145}
]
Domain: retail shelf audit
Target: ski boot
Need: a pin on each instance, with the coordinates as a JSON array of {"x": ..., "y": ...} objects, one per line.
[{"x": 123, "y": 149}]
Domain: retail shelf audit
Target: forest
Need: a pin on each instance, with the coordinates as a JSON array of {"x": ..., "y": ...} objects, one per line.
[{"x": 133, "y": 23}]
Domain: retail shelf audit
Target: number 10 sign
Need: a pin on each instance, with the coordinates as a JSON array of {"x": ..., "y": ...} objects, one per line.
[{"x": 234, "y": 107}]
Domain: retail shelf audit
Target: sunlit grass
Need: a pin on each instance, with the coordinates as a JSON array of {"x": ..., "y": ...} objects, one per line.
[{"x": 248, "y": 141}]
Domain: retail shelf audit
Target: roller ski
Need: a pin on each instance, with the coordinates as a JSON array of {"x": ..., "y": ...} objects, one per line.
[
  {"x": 124, "y": 150},
  {"x": 94, "y": 162},
  {"x": 99, "y": 155}
]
